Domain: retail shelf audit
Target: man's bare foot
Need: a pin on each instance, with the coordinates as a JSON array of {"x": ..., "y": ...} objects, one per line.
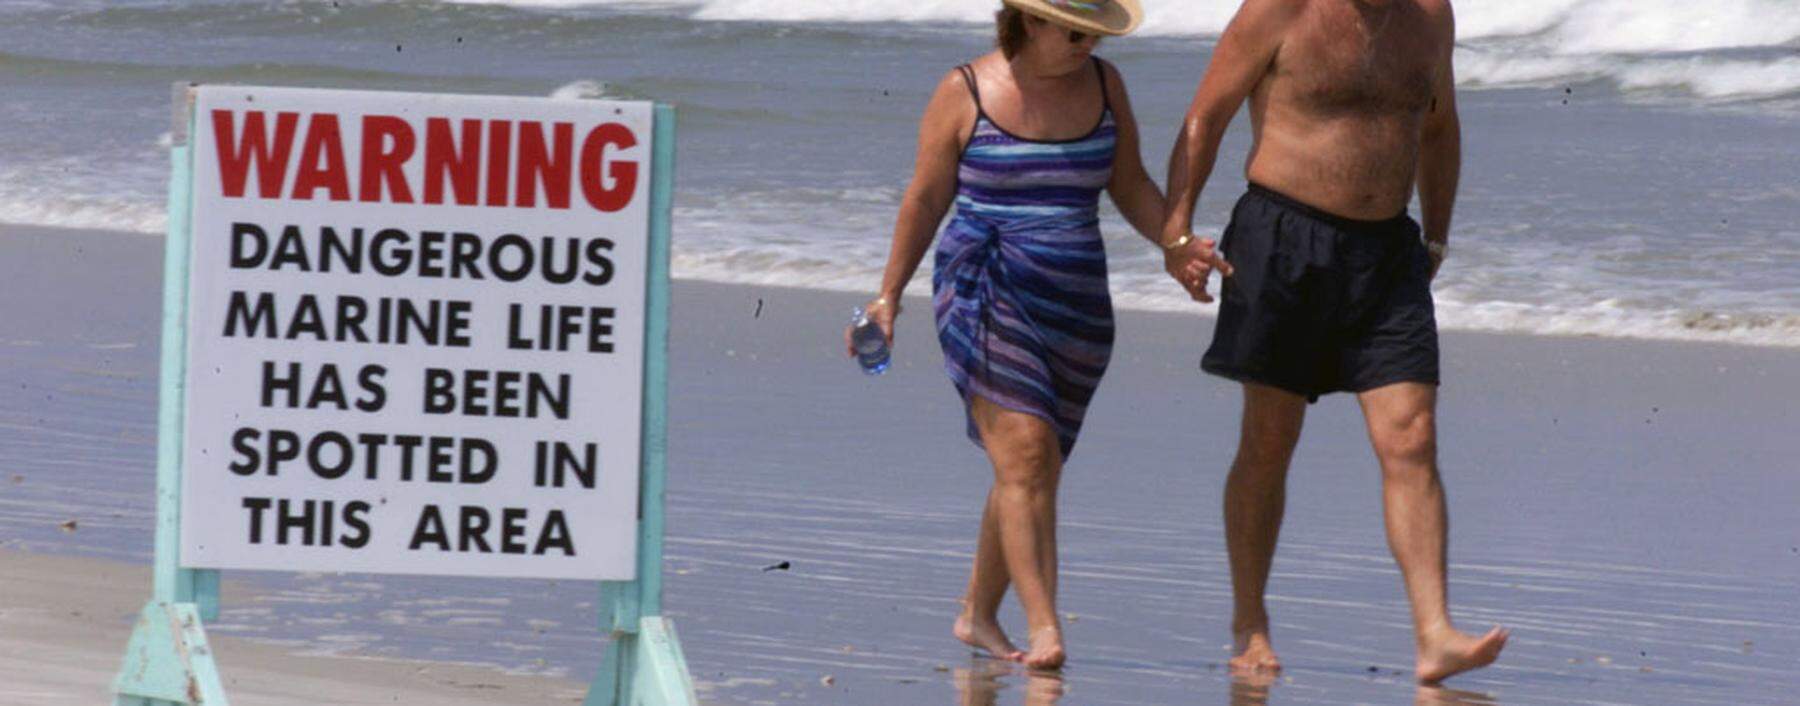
[
  {"x": 1450, "y": 652},
  {"x": 1046, "y": 648},
  {"x": 1252, "y": 653},
  {"x": 985, "y": 634}
]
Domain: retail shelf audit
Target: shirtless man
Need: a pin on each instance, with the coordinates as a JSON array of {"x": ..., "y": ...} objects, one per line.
[{"x": 1327, "y": 280}]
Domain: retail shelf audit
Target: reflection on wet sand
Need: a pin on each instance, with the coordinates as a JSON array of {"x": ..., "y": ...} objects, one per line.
[
  {"x": 1251, "y": 689},
  {"x": 1442, "y": 696},
  {"x": 980, "y": 683}
]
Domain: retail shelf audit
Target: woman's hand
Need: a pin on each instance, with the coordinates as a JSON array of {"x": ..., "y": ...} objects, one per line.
[
  {"x": 882, "y": 311},
  {"x": 1192, "y": 263},
  {"x": 928, "y": 196}
]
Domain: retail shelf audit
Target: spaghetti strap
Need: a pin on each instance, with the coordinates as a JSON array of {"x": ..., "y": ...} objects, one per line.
[
  {"x": 1100, "y": 70},
  {"x": 968, "y": 74}
]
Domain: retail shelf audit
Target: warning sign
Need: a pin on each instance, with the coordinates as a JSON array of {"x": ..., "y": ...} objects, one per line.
[{"x": 415, "y": 333}]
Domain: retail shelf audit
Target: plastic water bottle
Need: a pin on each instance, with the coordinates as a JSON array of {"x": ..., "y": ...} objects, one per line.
[{"x": 870, "y": 343}]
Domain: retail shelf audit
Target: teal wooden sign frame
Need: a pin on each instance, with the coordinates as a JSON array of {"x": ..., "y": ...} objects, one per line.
[{"x": 168, "y": 660}]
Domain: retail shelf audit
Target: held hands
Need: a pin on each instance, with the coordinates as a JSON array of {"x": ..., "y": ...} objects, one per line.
[
  {"x": 1191, "y": 262},
  {"x": 882, "y": 311}
]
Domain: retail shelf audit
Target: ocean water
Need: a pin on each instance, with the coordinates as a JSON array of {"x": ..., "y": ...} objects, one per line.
[{"x": 1632, "y": 167}]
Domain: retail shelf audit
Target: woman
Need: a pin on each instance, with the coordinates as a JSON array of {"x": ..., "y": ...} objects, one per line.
[{"x": 1023, "y": 140}]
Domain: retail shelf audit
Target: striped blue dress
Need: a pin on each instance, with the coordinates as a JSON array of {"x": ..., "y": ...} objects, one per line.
[{"x": 1019, "y": 279}]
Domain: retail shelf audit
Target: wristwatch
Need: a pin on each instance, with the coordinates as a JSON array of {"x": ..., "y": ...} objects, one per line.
[
  {"x": 1183, "y": 240},
  {"x": 1439, "y": 249}
]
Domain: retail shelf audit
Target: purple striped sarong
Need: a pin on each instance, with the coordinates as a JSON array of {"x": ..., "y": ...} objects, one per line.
[{"x": 1019, "y": 279}]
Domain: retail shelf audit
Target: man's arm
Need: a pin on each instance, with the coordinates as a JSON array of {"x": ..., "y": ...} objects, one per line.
[
  {"x": 1243, "y": 55},
  {"x": 1440, "y": 150}
]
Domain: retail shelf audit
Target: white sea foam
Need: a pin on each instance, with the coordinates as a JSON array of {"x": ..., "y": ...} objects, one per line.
[
  {"x": 1633, "y": 43},
  {"x": 553, "y": 4},
  {"x": 81, "y": 212},
  {"x": 1575, "y": 26},
  {"x": 578, "y": 90},
  {"x": 857, "y": 268},
  {"x": 1717, "y": 78},
  {"x": 959, "y": 11},
  {"x": 1639, "y": 45},
  {"x": 69, "y": 192},
  {"x": 1707, "y": 77},
  {"x": 1499, "y": 68},
  {"x": 749, "y": 236},
  {"x": 1645, "y": 26},
  {"x": 1608, "y": 319},
  {"x": 1601, "y": 320}
]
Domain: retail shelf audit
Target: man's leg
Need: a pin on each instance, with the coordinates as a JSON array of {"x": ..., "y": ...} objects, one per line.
[
  {"x": 1255, "y": 495},
  {"x": 1403, "y": 430}
]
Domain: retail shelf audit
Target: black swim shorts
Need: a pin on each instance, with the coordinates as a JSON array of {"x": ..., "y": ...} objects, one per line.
[{"x": 1321, "y": 303}]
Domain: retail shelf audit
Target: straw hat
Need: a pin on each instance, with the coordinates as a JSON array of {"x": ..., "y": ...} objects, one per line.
[{"x": 1114, "y": 17}]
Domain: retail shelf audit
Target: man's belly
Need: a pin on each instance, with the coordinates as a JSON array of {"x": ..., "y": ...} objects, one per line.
[{"x": 1362, "y": 170}]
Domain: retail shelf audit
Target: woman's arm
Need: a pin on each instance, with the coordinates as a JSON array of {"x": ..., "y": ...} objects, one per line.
[
  {"x": 948, "y": 116},
  {"x": 1137, "y": 197}
]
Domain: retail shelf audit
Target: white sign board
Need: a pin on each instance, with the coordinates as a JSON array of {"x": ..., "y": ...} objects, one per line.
[{"x": 415, "y": 330}]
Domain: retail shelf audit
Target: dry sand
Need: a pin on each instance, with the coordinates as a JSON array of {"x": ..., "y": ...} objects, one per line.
[{"x": 65, "y": 620}]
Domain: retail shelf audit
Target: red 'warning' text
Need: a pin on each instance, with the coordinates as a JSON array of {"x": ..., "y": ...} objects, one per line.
[{"x": 465, "y": 162}]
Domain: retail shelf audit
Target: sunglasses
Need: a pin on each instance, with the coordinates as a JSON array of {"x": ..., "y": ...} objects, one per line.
[{"x": 1075, "y": 36}]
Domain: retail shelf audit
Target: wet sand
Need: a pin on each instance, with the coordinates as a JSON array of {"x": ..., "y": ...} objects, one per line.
[{"x": 1627, "y": 507}]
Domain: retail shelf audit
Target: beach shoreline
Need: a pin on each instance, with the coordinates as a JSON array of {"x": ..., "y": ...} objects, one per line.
[{"x": 1612, "y": 498}]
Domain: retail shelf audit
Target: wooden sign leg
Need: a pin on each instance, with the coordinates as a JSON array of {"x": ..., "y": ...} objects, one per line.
[
  {"x": 167, "y": 660},
  {"x": 644, "y": 663}
]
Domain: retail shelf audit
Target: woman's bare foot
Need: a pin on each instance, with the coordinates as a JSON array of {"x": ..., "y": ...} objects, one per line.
[
  {"x": 1251, "y": 652},
  {"x": 1046, "y": 648},
  {"x": 985, "y": 634},
  {"x": 1434, "y": 695},
  {"x": 1450, "y": 652}
]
